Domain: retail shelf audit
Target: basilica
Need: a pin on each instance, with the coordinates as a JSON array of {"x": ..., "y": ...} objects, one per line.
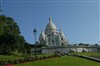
[
  {"x": 51, "y": 37},
  {"x": 55, "y": 41}
]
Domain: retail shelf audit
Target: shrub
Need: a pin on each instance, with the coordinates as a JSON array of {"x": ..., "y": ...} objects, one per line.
[
  {"x": 16, "y": 61},
  {"x": 21, "y": 60},
  {"x": 1, "y": 63},
  {"x": 41, "y": 58},
  {"x": 44, "y": 57},
  {"x": 10, "y": 61}
]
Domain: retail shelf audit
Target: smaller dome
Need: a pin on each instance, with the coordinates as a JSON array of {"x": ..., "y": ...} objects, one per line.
[
  {"x": 61, "y": 34},
  {"x": 42, "y": 36}
]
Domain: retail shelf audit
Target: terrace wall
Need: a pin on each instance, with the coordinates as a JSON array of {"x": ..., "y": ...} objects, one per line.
[{"x": 51, "y": 50}]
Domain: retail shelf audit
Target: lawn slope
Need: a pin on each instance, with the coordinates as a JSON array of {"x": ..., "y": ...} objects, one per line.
[{"x": 62, "y": 61}]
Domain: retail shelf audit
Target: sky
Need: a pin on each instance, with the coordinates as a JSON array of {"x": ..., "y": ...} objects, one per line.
[{"x": 78, "y": 19}]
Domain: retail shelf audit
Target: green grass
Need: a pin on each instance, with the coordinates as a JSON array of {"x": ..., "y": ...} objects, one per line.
[
  {"x": 41, "y": 55},
  {"x": 62, "y": 61}
]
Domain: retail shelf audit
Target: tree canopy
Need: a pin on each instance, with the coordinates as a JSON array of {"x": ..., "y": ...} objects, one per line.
[{"x": 10, "y": 38}]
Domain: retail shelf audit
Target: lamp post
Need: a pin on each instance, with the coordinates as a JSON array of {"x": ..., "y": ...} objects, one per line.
[
  {"x": 1, "y": 11},
  {"x": 35, "y": 31}
]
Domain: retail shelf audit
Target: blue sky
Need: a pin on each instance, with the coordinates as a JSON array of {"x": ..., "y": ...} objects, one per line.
[{"x": 78, "y": 19}]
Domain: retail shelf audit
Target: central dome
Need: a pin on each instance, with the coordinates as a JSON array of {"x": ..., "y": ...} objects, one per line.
[{"x": 50, "y": 26}]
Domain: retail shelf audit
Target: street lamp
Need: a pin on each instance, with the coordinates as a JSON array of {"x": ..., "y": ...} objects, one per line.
[{"x": 35, "y": 31}]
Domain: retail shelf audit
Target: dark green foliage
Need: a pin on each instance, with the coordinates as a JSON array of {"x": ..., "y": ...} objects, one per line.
[
  {"x": 11, "y": 41},
  {"x": 39, "y": 45}
]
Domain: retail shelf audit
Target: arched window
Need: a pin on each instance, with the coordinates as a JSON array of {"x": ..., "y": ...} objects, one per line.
[
  {"x": 48, "y": 35},
  {"x": 42, "y": 39},
  {"x": 62, "y": 44},
  {"x": 52, "y": 41},
  {"x": 52, "y": 34},
  {"x": 61, "y": 38}
]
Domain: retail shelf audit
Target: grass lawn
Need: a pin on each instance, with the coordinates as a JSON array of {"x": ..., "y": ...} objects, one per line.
[
  {"x": 61, "y": 61},
  {"x": 41, "y": 55}
]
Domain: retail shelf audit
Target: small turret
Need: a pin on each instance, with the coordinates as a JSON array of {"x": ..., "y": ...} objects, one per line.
[
  {"x": 63, "y": 41},
  {"x": 61, "y": 34},
  {"x": 42, "y": 37}
]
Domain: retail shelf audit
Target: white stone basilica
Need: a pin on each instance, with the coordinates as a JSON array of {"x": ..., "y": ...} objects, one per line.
[
  {"x": 51, "y": 37},
  {"x": 56, "y": 42}
]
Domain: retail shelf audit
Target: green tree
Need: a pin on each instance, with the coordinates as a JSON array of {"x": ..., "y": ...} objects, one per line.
[{"x": 10, "y": 38}]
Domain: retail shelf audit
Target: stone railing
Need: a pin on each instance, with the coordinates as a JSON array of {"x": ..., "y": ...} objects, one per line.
[{"x": 87, "y": 57}]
